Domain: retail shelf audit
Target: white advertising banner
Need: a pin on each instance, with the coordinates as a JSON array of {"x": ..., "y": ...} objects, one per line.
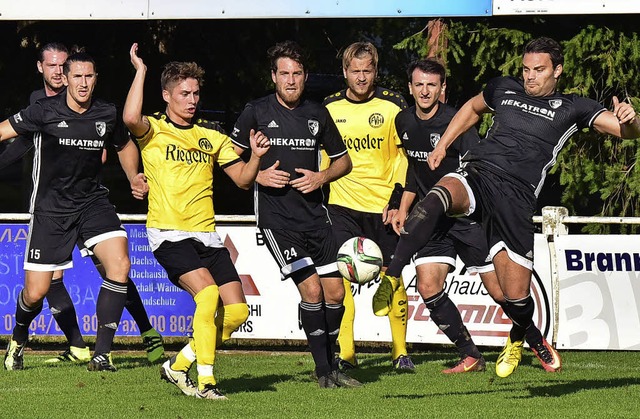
[
  {"x": 599, "y": 292},
  {"x": 274, "y": 303}
]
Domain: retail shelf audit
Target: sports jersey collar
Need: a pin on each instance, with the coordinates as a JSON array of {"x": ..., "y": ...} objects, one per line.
[
  {"x": 357, "y": 102},
  {"x": 176, "y": 125}
]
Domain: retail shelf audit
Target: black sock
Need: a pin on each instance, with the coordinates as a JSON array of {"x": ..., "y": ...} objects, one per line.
[
  {"x": 333, "y": 315},
  {"x": 516, "y": 330},
  {"x": 24, "y": 316},
  {"x": 521, "y": 314},
  {"x": 64, "y": 312},
  {"x": 312, "y": 317},
  {"x": 419, "y": 227},
  {"x": 109, "y": 308},
  {"x": 446, "y": 315},
  {"x": 135, "y": 307}
]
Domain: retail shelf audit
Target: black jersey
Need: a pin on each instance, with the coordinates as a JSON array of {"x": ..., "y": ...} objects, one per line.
[
  {"x": 296, "y": 137},
  {"x": 36, "y": 95},
  {"x": 68, "y": 152},
  {"x": 419, "y": 137},
  {"x": 528, "y": 132}
]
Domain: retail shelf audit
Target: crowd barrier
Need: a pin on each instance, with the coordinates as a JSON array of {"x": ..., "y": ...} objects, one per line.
[{"x": 585, "y": 287}]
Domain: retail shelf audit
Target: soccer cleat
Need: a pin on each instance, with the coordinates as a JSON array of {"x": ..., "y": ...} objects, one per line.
[
  {"x": 73, "y": 354},
  {"x": 101, "y": 362},
  {"x": 343, "y": 380},
  {"x": 153, "y": 343},
  {"x": 548, "y": 356},
  {"x": 178, "y": 378},
  {"x": 344, "y": 365},
  {"x": 467, "y": 364},
  {"x": 509, "y": 358},
  {"x": 327, "y": 381},
  {"x": 210, "y": 392},
  {"x": 14, "y": 358},
  {"x": 382, "y": 298},
  {"x": 403, "y": 363}
]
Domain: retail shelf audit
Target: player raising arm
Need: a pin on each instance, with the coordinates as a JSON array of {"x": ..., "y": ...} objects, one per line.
[
  {"x": 502, "y": 175},
  {"x": 178, "y": 153}
]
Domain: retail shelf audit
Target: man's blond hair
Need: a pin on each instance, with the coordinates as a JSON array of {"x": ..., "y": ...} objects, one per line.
[{"x": 360, "y": 50}]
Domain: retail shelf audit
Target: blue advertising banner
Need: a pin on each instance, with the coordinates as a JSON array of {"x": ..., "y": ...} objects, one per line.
[{"x": 170, "y": 309}]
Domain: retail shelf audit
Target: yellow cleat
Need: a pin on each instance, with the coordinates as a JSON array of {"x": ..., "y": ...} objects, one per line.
[
  {"x": 14, "y": 358},
  {"x": 384, "y": 294},
  {"x": 509, "y": 358},
  {"x": 73, "y": 354}
]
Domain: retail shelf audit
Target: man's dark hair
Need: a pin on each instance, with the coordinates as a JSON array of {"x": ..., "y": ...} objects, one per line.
[
  {"x": 176, "y": 71},
  {"x": 78, "y": 57},
  {"x": 52, "y": 46},
  {"x": 286, "y": 49},
  {"x": 429, "y": 66},
  {"x": 547, "y": 46}
]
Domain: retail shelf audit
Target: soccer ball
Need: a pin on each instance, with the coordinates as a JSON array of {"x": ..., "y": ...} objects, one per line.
[{"x": 359, "y": 260}]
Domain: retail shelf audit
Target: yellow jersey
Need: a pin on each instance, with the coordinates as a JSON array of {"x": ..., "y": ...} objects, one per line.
[
  {"x": 369, "y": 133},
  {"x": 178, "y": 163}
]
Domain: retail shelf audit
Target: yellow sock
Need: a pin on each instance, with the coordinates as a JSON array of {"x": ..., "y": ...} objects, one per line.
[
  {"x": 395, "y": 282},
  {"x": 185, "y": 357},
  {"x": 345, "y": 337},
  {"x": 204, "y": 333},
  {"x": 228, "y": 319},
  {"x": 398, "y": 321}
]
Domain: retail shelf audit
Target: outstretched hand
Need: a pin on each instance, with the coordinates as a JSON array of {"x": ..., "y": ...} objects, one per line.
[
  {"x": 135, "y": 60},
  {"x": 623, "y": 111}
]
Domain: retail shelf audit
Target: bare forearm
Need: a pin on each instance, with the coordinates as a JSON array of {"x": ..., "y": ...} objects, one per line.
[
  {"x": 248, "y": 173},
  {"x": 132, "y": 113},
  {"x": 129, "y": 160},
  {"x": 337, "y": 169},
  {"x": 406, "y": 201}
]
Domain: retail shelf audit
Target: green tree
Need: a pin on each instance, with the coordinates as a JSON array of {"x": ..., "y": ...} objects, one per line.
[{"x": 597, "y": 172}]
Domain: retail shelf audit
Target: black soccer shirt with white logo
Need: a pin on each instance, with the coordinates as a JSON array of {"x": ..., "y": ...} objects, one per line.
[
  {"x": 419, "y": 137},
  {"x": 528, "y": 132},
  {"x": 68, "y": 152},
  {"x": 296, "y": 137}
]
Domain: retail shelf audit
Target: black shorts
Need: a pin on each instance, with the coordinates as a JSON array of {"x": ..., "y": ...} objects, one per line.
[
  {"x": 299, "y": 254},
  {"x": 466, "y": 239},
  {"x": 348, "y": 223},
  {"x": 52, "y": 238},
  {"x": 178, "y": 258},
  {"x": 505, "y": 207}
]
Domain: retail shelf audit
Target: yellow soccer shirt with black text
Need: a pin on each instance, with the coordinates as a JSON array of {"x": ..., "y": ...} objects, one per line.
[
  {"x": 368, "y": 130},
  {"x": 178, "y": 163}
]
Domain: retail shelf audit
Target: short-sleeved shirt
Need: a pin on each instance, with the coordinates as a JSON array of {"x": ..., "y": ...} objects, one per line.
[
  {"x": 368, "y": 131},
  {"x": 68, "y": 152},
  {"x": 419, "y": 137},
  {"x": 296, "y": 136},
  {"x": 528, "y": 132},
  {"x": 178, "y": 163}
]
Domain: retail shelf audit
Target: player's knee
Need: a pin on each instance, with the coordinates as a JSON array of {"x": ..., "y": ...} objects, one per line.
[
  {"x": 427, "y": 289},
  {"x": 206, "y": 303},
  {"x": 333, "y": 290},
  {"x": 234, "y": 316},
  {"x": 33, "y": 296}
]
